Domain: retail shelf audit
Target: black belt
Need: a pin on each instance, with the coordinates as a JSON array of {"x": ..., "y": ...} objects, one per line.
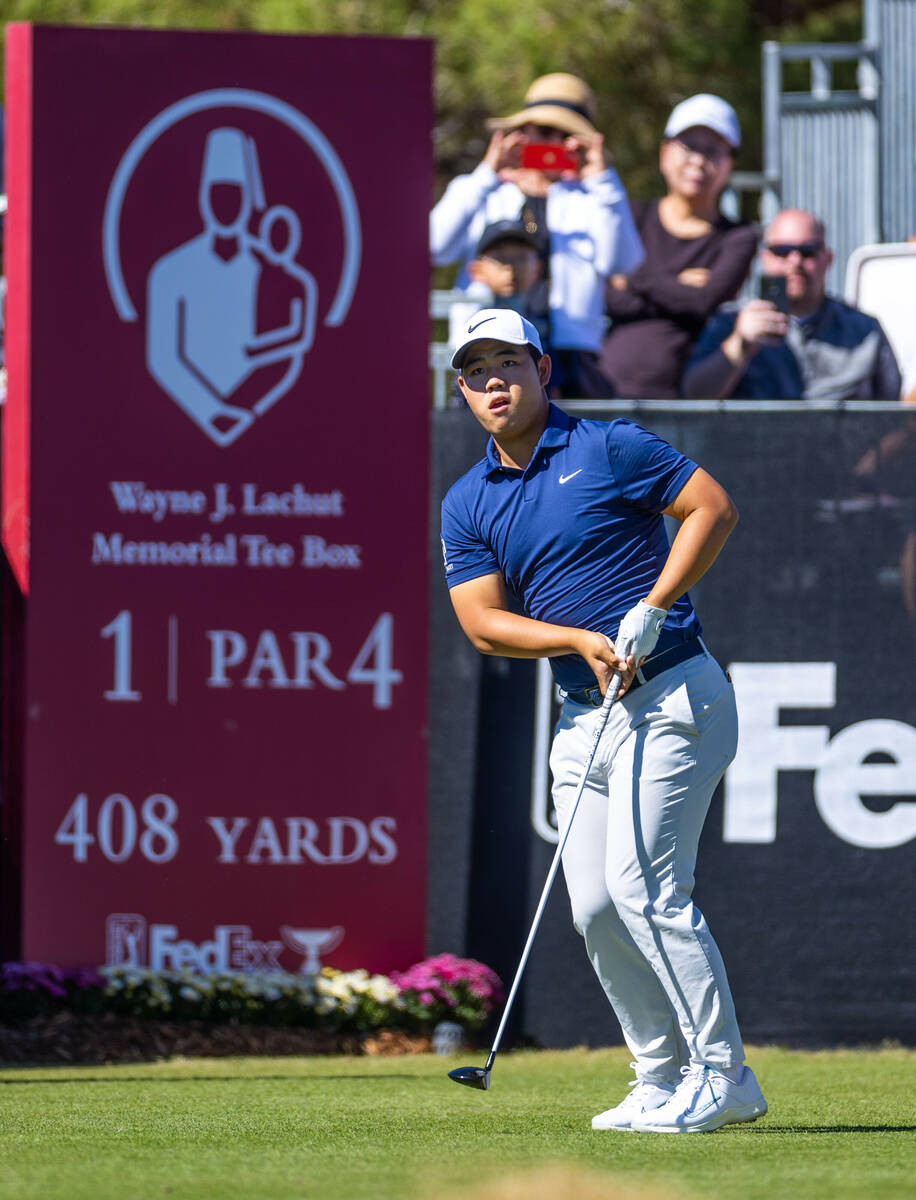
[{"x": 652, "y": 667}]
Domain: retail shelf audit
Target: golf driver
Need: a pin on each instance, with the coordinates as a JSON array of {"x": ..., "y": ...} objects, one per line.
[{"x": 479, "y": 1077}]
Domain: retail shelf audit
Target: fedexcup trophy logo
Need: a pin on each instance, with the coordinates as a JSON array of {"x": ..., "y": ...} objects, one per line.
[
  {"x": 312, "y": 943},
  {"x": 205, "y": 298}
]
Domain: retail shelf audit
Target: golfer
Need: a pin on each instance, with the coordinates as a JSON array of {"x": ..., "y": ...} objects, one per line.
[{"x": 567, "y": 515}]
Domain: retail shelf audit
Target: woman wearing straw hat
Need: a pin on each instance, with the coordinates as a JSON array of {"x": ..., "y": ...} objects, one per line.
[{"x": 581, "y": 214}]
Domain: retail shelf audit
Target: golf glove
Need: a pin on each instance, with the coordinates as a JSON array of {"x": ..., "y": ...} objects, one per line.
[{"x": 639, "y": 631}]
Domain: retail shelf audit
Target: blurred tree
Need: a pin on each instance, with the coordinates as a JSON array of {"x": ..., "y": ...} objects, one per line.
[{"x": 640, "y": 56}]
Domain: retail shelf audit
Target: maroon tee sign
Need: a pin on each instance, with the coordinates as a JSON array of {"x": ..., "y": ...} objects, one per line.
[{"x": 215, "y": 494}]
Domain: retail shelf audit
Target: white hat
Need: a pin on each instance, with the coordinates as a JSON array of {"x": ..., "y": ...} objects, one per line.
[
  {"x": 498, "y": 325},
  {"x": 712, "y": 112},
  {"x": 232, "y": 157}
]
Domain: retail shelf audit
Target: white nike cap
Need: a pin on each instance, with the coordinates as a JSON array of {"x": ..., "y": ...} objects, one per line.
[
  {"x": 712, "y": 112},
  {"x": 498, "y": 325}
]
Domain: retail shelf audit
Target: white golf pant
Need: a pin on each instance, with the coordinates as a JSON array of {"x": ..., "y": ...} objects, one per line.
[{"x": 630, "y": 858}]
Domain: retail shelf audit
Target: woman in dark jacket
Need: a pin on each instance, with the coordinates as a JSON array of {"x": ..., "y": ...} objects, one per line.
[{"x": 696, "y": 257}]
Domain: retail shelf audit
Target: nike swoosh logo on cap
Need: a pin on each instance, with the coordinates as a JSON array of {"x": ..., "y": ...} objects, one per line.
[
  {"x": 566, "y": 478},
  {"x": 471, "y": 328}
]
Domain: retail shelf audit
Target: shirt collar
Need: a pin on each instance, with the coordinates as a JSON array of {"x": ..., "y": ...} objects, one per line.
[
  {"x": 556, "y": 433},
  {"x": 813, "y": 319}
]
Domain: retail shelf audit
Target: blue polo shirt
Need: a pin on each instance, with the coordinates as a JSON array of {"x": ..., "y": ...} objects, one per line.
[{"x": 578, "y": 535}]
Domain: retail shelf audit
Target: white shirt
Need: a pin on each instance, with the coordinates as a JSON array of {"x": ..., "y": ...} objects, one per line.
[{"x": 592, "y": 236}]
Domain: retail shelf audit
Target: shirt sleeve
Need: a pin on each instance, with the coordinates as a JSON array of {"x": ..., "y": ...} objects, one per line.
[
  {"x": 656, "y": 283},
  {"x": 888, "y": 383},
  {"x": 624, "y": 304},
  {"x": 465, "y": 555},
  {"x": 714, "y": 333},
  {"x": 450, "y": 221},
  {"x": 649, "y": 471},
  {"x": 616, "y": 239},
  {"x": 707, "y": 368}
]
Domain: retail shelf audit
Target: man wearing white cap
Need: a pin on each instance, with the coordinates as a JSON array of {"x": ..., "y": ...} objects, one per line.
[
  {"x": 567, "y": 514},
  {"x": 695, "y": 256},
  {"x": 579, "y": 212}
]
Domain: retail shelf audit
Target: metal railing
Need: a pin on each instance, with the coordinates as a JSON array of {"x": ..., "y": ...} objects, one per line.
[
  {"x": 891, "y": 24},
  {"x": 846, "y": 155},
  {"x": 821, "y": 147},
  {"x": 440, "y": 303}
]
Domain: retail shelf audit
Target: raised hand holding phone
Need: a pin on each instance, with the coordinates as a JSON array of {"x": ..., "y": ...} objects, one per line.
[
  {"x": 595, "y": 158},
  {"x": 759, "y": 323},
  {"x": 503, "y": 152}
]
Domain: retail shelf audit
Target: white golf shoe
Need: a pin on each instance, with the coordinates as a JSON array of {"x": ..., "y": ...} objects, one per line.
[
  {"x": 704, "y": 1100},
  {"x": 643, "y": 1098}
]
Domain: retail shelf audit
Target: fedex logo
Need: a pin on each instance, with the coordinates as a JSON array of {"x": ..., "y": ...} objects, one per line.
[
  {"x": 232, "y": 948},
  {"x": 843, "y": 772}
]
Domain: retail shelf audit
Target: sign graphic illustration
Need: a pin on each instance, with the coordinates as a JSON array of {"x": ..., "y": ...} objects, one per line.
[{"x": 208, "y": 300}]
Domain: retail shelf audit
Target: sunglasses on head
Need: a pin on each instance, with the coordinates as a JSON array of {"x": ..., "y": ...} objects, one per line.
[{"x": 805, "y": 249}]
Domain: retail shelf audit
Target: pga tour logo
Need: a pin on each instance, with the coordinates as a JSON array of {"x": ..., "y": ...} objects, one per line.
[
  {"x": 129, "y": 941},
  {"x": 229, "y": 308}
]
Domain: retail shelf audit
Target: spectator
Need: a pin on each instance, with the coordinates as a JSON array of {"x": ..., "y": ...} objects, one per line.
[
  {"x": 506, "y": 272},
  {"x": 822, "y": 349},
  {"x": 695, "y": 256},
  {"x": 582, "y": 213}
]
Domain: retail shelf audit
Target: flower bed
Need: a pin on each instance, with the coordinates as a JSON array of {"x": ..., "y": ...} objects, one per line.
[{"x": 49, "y": 1014}]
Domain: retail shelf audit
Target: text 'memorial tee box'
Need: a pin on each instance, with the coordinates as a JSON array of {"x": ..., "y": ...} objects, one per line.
[{"x": 215, "y": 494}]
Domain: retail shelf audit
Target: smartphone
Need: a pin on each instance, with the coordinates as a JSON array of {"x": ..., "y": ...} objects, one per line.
[
  {"x": 548, "y": 156},
  {"x": 773, "y": 288}
]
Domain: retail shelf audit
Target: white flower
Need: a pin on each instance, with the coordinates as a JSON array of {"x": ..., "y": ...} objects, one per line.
[{"x": 382, "y": 989}]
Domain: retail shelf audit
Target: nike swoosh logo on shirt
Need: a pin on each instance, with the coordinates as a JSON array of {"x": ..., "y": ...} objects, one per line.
[
  {"x": 566, "y": 478},
  {"x": 471, "y": 328}
]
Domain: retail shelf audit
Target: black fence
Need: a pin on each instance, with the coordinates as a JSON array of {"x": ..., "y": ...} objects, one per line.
[{"x": 806, "y": 870}]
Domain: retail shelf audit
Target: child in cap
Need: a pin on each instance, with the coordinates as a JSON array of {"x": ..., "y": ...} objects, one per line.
[{"x": 507, "y": 271}]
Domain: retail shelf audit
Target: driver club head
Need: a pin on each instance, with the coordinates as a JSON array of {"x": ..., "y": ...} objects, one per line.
[{"x": 475, "y": 1077}]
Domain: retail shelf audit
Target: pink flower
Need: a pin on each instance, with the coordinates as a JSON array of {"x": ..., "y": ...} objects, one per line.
[{"x": 451, "y": 981}]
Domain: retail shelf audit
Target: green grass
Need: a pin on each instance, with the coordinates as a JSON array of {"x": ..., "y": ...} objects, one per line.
[{"x": 841, "y": 1124}]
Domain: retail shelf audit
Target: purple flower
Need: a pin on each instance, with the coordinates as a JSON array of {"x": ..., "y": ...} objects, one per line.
[
  {"x": 85, "y": 978},
  {"x": 33, "y": 977}
]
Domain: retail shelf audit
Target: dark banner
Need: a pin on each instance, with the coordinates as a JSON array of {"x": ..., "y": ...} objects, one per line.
[
  {"x": 806, "y": 869},
  {"x": 214, "y": 497}
]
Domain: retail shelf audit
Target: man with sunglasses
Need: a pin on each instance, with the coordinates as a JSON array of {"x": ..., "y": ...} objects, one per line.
[{"x": 812, "y": 347}]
